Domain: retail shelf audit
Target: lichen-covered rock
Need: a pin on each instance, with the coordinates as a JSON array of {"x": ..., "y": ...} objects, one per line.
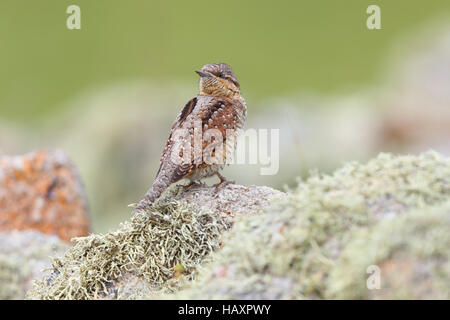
[
  {"x": 230, "y": 199},
  {"x": 410, "y": 252},
  {"x": 42, "y": 191},
  {"x": 315, "y": 242},
  {"x": 153, "y": 251},
  {"x": 23, "y": 256},
  {"x": 318, "y": 241}
]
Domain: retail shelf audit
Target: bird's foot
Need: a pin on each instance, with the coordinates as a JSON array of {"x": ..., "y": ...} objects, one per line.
[
  {"x": 223, "y": 181},
  {"x": 192, "y": 183}
]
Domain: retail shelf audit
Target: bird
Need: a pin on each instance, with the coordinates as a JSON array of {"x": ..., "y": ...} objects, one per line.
[{"x": 218, "y": 108}]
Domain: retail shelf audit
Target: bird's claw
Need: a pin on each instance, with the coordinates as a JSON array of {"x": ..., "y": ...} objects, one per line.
[
  {"x": 192, "y": 183},
  {"x": 223, "y": 182}
]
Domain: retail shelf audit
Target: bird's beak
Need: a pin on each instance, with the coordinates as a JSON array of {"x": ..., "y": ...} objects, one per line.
[{"x": 202, "y": 73}]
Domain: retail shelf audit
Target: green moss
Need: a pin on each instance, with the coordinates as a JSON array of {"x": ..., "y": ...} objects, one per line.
[
  {"x": 148, "y": 246},
  {"x": 290, "y": 250}
]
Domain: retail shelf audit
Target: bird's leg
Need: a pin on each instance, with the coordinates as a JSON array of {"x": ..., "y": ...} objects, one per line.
[
  {"x": 223, "y": 181},
  {"x": 190, "y": 184}
]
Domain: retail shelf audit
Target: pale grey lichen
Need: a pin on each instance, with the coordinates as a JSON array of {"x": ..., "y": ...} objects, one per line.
[
  {"x": 293, "y": 249},
  {"x": 411, "y": 254},
  {"x": 300, "y": 247},
  {"x": 23, "y": 255},
  {"x": 150, "y": 246},
  {"x": 12, "y": 277}
]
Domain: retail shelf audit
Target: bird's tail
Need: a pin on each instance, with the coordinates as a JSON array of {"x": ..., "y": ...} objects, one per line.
[{"x": 160, "y": 184}]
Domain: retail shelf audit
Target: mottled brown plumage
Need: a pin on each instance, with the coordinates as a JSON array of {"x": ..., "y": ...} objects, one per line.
[{"x": 219, "y": 106}]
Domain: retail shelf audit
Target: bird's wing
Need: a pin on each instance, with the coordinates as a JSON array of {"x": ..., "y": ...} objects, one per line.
[
  {"x": 184, "y": 113},
  {"x": 213, "y": 113}
]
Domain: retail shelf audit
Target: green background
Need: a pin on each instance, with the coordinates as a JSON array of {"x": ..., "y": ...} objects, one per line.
[{"x": 275, "y": 47}]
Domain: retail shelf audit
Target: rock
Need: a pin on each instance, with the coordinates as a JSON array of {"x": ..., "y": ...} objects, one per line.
[
  {"x": 23, "y": 256},
  {"x": 391, "y": 214},
  {"x": 412, "y": 128},
  {"x": 410, "y": 252},
  {"x": 415, "y": 111},
  {"x": 231, "y": 199},
  {"x": 42, "y": 191},
  {"x": 319, "y": 241},
  {"x": 155, "y": 250}
]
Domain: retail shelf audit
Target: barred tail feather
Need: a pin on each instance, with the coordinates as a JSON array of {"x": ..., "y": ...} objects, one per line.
[{"x": 159, "y": 186}]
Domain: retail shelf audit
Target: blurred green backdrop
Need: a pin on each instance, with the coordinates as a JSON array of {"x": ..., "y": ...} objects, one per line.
[
  {"x": 275, "y": 47},
  {"x": 107, "y": 94}
]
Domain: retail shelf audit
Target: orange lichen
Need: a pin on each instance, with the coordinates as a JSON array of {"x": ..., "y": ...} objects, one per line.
[{"x": 42, "y": 191}]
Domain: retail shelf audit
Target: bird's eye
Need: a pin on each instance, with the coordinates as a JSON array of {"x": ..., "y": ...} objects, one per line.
[{"x": 220, "y": 75}]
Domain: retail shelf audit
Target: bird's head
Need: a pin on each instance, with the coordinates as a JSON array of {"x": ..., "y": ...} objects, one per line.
[{"x": 217, "y": 79}]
